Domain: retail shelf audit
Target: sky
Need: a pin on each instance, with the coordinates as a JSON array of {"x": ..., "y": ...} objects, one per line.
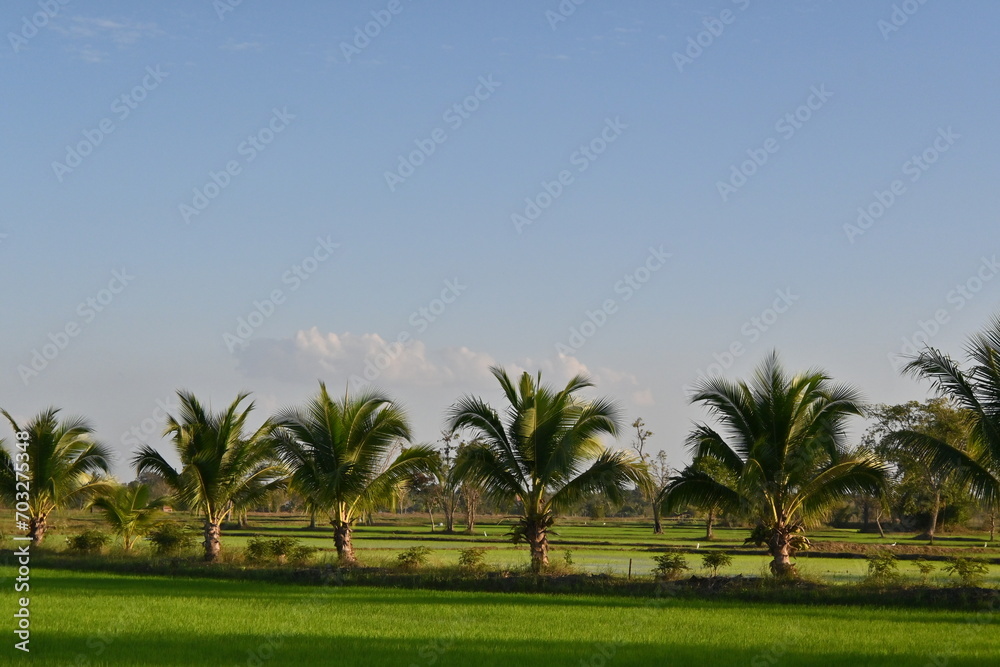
[{"x": 222, "y": 196}]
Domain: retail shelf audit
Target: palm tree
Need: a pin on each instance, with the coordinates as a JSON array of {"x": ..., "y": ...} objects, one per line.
[
  {"x": 782, "y": 456},
  {"x": 976, "y": 391},
  {"x": 339, "y": 454},
  {"x": 539, "y": 452},
  {"x": 223, "y": 470},
  {"x": 129, "y": 511},
  {"x": 64, "y": 464}
]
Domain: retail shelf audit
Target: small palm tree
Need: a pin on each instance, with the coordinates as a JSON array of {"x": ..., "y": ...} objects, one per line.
[
  {"x": 64, "y": 464},
  {"x": 546, "y": 453},
  {"x": 339, "y": 454},
  {"x": 223, "y": 469},
  {"x": 782, "y": 457},
  {"x": 129, "y": 511},
  {"x": 976, "y": 391}
]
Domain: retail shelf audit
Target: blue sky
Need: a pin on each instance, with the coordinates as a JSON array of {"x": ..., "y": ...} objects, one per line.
[{"x": 693, "y": 165}]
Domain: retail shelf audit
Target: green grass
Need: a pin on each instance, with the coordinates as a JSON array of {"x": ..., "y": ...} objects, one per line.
[{"x": 94, "y": 619}]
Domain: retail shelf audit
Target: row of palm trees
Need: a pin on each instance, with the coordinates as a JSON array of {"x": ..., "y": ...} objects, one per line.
[{"x": 777, "y": 454}]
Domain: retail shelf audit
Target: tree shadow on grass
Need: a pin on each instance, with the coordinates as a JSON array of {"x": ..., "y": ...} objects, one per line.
[{"x": 372, "y": 651}]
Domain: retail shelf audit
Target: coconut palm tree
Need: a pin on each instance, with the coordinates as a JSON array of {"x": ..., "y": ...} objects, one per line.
[
  {"x": 976, "y": 392},
  {"x": 339, "y": 453},
  {"x": 781, "y": 453},
  {"x": 63, "y": 463},
  {"x": 129, "y": 511},
  {"x": 545, "y": 452},
  {"x": 223, "y": 469}
]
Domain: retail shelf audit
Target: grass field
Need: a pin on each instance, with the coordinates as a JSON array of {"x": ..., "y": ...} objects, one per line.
[
  {"x": 94, "y": 619},
  {"x": 609, "y": 546}
]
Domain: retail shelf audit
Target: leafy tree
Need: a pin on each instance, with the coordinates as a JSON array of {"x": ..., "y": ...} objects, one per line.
[
  {"x": 60, "y": 464},
  {"x": 976, "y": 392},
  {"x": 917, "y": 485},
  {"x": 470, "y": 495},
  {"x": 539, "y": 453},
  {"x": 782, "y": 446},
  {"x": 223, "y": 471},
  {"x": 659, "y": 471},
  {"x": 129, "y": 511},
  {"x": 339, "y": 455}
]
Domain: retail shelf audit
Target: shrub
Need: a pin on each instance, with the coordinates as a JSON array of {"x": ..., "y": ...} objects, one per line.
[
  {"x": 925, "y": 569},
  {"x": 413, "y": 557},
  {"x": 715, "y": 560},
  {"x": 170, "y": 538},
  {"x": 472, "y": 559},
  {"x": 568, "y": 558},
  {"x": 670, "y": 566},
  {"x": 882, "y": 567},
  {"x": 88, "y": 542},
  {"x": 261, "y": 550},
  {"x": 969, "y": 570}
]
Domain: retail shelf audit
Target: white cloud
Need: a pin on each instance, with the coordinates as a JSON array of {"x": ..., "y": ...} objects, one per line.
[
  {"x": 313, "y": 355},
  {"x": 87, "y": 33}
]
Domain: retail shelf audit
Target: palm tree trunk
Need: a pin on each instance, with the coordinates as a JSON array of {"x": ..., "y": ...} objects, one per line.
[
  {"x": 312, "y": 519},
  {"x": 993, "y": 523},
  {"x": 878, "y": 524},
  {"x": 710, "y": 525},
  {"x": 657, "y": 525},
  {"x": 934, "y": 515},
  {"x": 342, "y": 540},
  {"x": 36, "y": 529},
  {"x": 779, "y": 547},
  {"x": 213, "y": 542},
  {"x": 538, "y": 542}
]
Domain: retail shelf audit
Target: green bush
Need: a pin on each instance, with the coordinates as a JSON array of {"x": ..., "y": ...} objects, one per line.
[
  {"x": 413, "y": 558},
  {"x": 969, "y": 570},
  {"x": 261, "y": 550},
  {"x": 715, "y": 560},
  {"x": 88, "y": 542},
  {"x": 472, "y": 559},
  {"x": 568, "y": 558},
  {"x": 670, "y": 566},
  {"x": 882, "y": 567},
  {"x": 925, "y": 569},
  {"x": 170, "y": 538}
]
